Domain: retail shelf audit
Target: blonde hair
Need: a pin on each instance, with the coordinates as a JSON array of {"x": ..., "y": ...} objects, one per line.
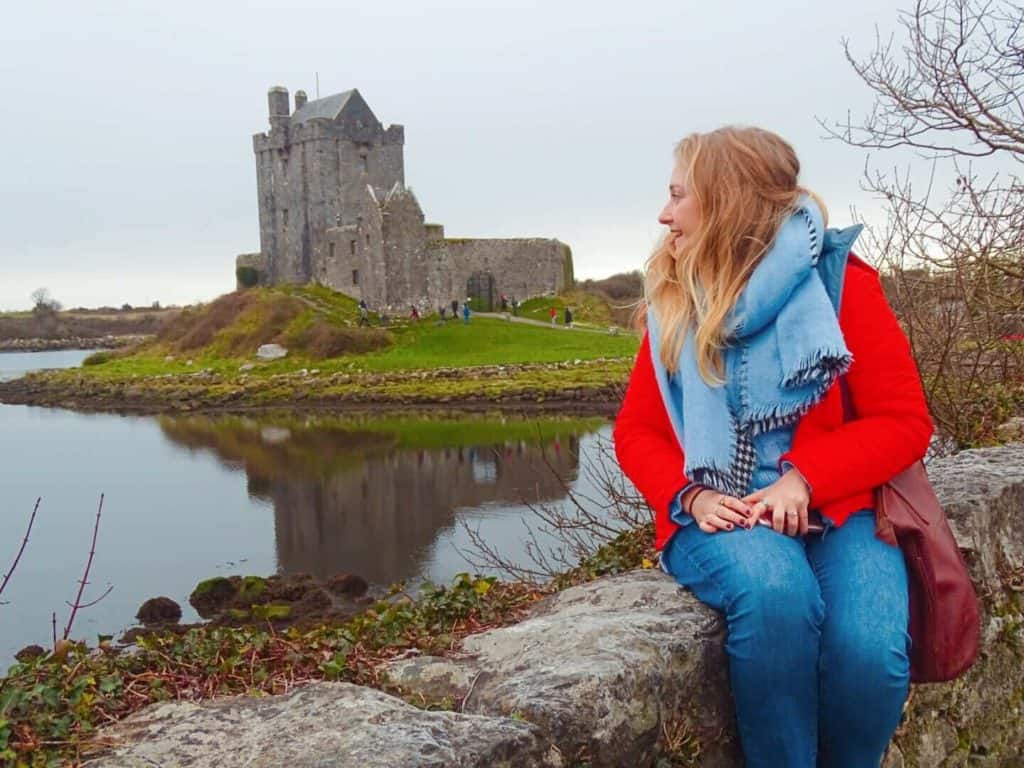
[{"x": 744, "y": 181}]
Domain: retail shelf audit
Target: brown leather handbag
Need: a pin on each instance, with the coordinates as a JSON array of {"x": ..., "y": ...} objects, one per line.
[{"x": 945, "y": 626}]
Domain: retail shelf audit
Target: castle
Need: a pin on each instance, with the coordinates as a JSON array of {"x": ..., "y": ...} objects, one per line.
[{"x": 334, "y": 209}]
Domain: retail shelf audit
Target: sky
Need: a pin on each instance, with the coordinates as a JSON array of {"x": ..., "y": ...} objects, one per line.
[{"x": 125, "y": 127}]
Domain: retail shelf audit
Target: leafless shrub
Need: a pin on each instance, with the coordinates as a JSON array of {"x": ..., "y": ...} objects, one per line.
[
  {"x": 324, "y": 339},
  {"x": 560, "y": 535},
  {"x": 78, "y": 604},
  {"x": 952, "y": 258},
  {"x": 21, "y": 549}
]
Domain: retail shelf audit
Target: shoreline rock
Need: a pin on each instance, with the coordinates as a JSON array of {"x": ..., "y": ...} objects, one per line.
[
  {"x": 580, "y": 387},
  {"x": 355, "y": 726}
]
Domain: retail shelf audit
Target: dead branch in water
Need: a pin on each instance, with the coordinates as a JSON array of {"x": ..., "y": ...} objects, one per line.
[
  {"x": 85, "y": 578},
  {"x": 24, "y": 542}
]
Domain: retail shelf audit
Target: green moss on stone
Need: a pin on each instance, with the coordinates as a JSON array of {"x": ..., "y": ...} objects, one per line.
[
  {"x": 217, "y": 583},
  {"x": 252, "y": 587},
  {"x": 271, "y": 611}
]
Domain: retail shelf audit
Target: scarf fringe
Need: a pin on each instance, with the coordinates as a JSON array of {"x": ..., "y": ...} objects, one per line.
[
  {"x": 717, "y": 479},
  {"x": 819, "y": 369},
  {"x": 823, "y": 380}
]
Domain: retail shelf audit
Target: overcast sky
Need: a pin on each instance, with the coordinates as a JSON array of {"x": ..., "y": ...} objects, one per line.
[{"x": 126, "y": 127}]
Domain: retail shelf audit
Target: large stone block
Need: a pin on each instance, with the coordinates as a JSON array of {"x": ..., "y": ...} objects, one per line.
[
  {"x": 604, "y": 668},
  {"x": 323, "y": 725}
]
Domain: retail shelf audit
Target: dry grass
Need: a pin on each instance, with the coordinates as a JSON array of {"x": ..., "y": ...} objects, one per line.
[
  {"x": 196, "y": 327},
  {"x": 236, "y": 324},
  {"x": 323, "y": 339}
]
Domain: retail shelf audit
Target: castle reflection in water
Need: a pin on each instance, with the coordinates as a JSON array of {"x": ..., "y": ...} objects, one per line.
[{"x": 372, "y": 497}]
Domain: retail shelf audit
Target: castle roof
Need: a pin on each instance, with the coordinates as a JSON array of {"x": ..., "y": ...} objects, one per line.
[{"x": 329, "y": 107}]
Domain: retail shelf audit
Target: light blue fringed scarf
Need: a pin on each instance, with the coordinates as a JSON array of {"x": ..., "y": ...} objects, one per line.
[{"x": 785, "y": 352}]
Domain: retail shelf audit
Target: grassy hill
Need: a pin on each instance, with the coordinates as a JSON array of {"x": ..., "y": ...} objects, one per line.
[
  {"x": 595, "y": 303},
  {"x": 320, "y": 329}
]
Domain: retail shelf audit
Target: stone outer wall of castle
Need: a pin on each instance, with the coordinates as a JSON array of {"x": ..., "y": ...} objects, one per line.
[{"x": 522, "y": 267}]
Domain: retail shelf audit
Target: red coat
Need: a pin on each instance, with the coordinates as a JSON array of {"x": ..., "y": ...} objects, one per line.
[{"x": 842, "y": 463}]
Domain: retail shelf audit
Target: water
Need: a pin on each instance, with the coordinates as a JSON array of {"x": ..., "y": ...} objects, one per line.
[
  {"x": 190, "y": 497},
  {"x": 15, "y": 364}
]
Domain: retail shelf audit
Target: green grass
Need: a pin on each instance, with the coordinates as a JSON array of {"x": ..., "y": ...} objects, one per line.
[
  {"x": 422, "y": 345},
  {"x": 487, "y": 341},
  {"x": 484, "y": 341}
]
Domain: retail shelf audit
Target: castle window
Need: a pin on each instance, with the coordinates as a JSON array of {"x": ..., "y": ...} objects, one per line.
[
  {"x": 332, "y": 250},
  {"x": 366, "y": 163},
  {"x": 367, "y": 238},
  {"x": 352, "y": 247},
  {"x": 284, "y": 216},
  {"x": 355, "y": 277}
]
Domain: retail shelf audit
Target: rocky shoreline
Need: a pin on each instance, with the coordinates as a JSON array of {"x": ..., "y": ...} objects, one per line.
[
  {"x": 583, "y": 387},
  {"x": 69, "y": 342},
  {"x": 628, "y": 669}
]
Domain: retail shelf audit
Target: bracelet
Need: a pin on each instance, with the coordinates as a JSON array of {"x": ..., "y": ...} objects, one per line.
[{"x": 693, "y": 499}]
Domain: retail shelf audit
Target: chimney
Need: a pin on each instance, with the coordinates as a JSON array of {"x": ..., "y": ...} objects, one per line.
[
  {"x": 300, "y": 100},
  {"x": 277, "y": 101}
]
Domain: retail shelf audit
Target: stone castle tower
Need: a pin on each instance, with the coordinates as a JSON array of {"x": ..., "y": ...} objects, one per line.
[{"x": 334, "y": 209}]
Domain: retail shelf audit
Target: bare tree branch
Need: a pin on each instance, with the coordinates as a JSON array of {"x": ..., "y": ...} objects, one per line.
[
  {"x": 78, "y": 604},
  {"x": 955, "y": 89},
  {"x": 24, "y": 543},
  {"x": 952, "y": 259}
]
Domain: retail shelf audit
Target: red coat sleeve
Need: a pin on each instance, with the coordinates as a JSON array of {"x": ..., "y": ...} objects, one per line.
[
  {"x": 645, "y": 444},
  {"x": 892, "y": 427}
]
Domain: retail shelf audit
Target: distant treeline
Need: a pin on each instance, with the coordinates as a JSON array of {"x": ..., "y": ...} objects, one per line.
[{"x": 87, "y": 324}]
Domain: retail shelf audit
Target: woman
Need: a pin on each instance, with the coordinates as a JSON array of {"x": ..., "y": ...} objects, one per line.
[{"x": 734, "y": 414}]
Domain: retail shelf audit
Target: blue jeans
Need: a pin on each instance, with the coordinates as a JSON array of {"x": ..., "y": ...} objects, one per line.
[{"x": 817, "y": 637}]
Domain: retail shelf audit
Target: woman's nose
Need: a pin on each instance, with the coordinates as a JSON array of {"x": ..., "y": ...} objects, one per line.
[{"x": 665, "y": 217}]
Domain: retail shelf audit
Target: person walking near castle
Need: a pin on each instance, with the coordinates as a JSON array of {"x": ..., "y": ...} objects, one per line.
[
  {"x": 734, "y": 415},
  {"x": 414, "y": 314},
  {"x": 554, "y": 315},
  {"x": 364, "y": 318},
  {"x": 465, "y": 311},
  {"x": 455, "y": 308},
  {"x": 568, "y": 317}
]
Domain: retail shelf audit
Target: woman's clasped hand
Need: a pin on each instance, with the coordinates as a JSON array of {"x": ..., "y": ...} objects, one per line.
[{"x": 784, "y": 504}]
